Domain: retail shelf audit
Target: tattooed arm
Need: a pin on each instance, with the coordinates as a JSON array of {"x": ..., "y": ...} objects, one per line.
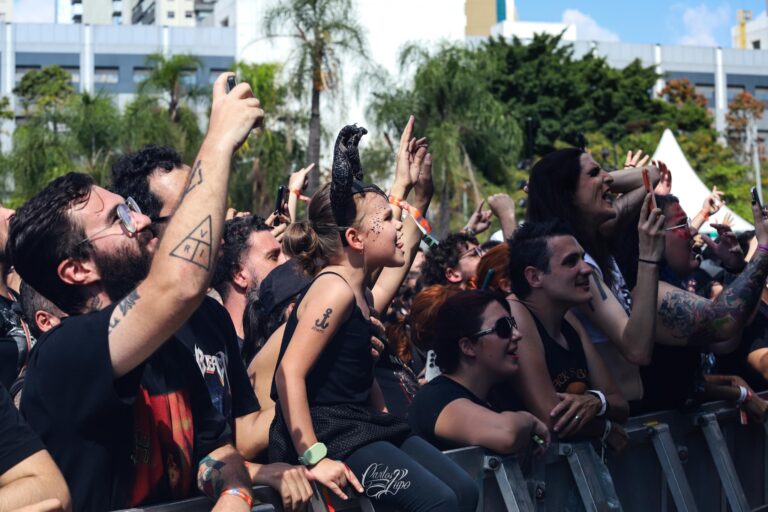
[
  {"x": 686, "y": 319},
  {"x": 181, "y": 266},
  {"x": 322, "y": 311},
  {"x": 220, "y": 470}
]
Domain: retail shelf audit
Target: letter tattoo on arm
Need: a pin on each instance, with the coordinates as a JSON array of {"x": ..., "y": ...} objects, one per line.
[
  {"x": 322, "y": 324},
  {"x": 196, "y": 246},
  {"x": 122, "y": 309},
  {"x": 701, "y": 321}
]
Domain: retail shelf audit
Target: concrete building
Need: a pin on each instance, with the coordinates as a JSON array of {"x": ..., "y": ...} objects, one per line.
[
  {"x": 749, "y": 32},
  {"x": 97, "y": 12},
  {"x": 171, "y": 13},
  {"x": 499, "y": 18},
  {"x": 6, "y": 11}
]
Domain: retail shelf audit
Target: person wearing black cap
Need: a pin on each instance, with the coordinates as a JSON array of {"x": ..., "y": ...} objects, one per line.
[{"x": 330, "y": 413}]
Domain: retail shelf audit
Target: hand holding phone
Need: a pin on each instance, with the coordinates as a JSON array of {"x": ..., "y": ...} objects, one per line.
[
  {"x": 231, "y": 83},
  {"x": 756, "y": 199},
  {"x": 280, "y": 202}
]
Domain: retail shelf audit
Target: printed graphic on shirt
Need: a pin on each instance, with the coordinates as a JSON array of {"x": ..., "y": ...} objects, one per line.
[
  {"x": 163, "y": 446},
  {"x": 214, "y": 370},
  {"x": 378, "y": 480}
]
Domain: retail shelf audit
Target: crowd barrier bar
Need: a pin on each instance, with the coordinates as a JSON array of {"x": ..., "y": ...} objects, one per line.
[{"x": 703, "y": 460}]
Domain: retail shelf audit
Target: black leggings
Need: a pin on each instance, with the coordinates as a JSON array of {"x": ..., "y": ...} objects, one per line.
[{"x": 393, "y": 477}]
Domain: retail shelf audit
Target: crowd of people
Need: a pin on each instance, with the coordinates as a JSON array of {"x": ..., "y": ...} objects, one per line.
[{"x": 158, "y": 345}]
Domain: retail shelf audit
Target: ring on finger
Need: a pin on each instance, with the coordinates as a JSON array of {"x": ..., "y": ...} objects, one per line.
[{"x": 577, "y": 417}]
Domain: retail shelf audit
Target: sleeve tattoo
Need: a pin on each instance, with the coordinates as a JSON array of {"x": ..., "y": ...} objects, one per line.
[
  {"x": 122, "y": 309},
  {"x": 701, "y": 321}
]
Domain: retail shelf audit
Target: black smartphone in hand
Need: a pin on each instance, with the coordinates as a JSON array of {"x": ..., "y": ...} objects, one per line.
[
  {"x": 282, "y": 191},
  {"x": 231, "y": 83},
  {"x": 756, "y": 199}
]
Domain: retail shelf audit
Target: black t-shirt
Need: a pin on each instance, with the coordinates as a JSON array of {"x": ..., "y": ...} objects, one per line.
[
  {"x": 567, "y": 366},
  {"x": 430, "y": 401},
  {"x": 669, "y": 380},
  {"x": 119, "y": 442},
  {"x": 343, "y": 373},
  {"x": 754, "y": 337},
  {"x": 397, "y": 381},
  {"x": 17, "y": 441},
  {"x": 210, "y": 336}
]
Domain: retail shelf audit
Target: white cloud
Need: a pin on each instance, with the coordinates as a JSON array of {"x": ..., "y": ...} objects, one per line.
[
  {"x": 700, "y": 23},
  {"x": 587, "y": 28},
  {"x": 33, "y": 11}
]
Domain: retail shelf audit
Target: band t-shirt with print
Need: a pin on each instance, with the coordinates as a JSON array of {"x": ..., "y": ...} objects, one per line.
[
  {"x": 119, "y": 442},
  {"x": 430, "y": 401},
  {"x": 212, "y": 341}
]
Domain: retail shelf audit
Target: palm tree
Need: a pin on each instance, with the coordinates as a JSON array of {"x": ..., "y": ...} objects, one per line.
[
  {"x": 325, "y": 31},
  {"x": 474, "y": 139},
  {"x": 168, "y": 76}
]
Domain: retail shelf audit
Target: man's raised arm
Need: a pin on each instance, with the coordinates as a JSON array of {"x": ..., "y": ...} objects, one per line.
[{"x": 182, "y": 265}]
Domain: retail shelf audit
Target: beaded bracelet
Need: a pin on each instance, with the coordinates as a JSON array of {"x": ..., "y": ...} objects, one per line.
[{"x": 762, "y": 248}]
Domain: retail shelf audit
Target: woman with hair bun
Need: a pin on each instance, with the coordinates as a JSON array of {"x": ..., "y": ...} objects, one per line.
[{"x": 330, "y": 413}]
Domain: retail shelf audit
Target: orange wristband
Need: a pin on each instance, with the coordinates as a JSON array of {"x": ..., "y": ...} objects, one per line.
[
  {"x": 296, "y": 192},
  {"x": 240, "y": 492},
  {"x": 395, "y": 200}
]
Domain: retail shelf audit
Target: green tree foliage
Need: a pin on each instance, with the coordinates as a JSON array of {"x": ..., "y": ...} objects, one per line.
[
  {"x": 173, "y": 78},
  {"x": 46, "y": 89},
  {"x": 271, "y": 152},
  {"x": 472, "y": 136},
  {"x": 326, "y": 33}
]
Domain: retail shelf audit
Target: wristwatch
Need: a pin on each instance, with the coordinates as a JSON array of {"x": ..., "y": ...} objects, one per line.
[{"x": 314, "y": 454}]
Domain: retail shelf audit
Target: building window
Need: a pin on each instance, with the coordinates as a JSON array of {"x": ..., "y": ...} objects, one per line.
[
  {"x": 106, "y": 75},
  {"x": 708, "y": 91},
  {"x": 117, "y": 19},
  {"x": 189, "y": 14},
  {"x": 734, "y": 91},
  {"x": 74, "y": 74},
  {"x": 188, "y": 78},
  {"x": 140, "y": 74},
  {"x": 761, "y": 93},
  {"x": 171, "y": 15},
  {"x": 756, "y": 44}
]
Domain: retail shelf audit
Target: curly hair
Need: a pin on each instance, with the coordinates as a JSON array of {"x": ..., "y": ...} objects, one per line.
[
  {"x": 237, "y": 231},
  {"x": 444, "y": 256},
  {"x": 131, "y": 172},
  {"x": 43, "y": 233}
]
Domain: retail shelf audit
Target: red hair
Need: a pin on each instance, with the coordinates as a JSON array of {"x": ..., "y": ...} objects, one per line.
[
  {"x": 498, "y": 260},
  {"x": 424, "y": 313}
]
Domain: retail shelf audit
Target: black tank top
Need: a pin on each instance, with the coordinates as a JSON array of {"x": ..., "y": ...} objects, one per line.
[
  {"x": 343, "y": 374},
  {"x": 567, "y": 366}
]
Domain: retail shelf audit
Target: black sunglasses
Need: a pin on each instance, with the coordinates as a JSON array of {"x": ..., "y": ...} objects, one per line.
[{"x": 503, "y": 328}]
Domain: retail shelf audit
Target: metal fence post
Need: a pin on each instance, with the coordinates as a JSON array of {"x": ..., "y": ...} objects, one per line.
[
  {"x": 723, "y": 462},
  {"x": 512, "y": 485},
  {"x": 592, "y": 477},
  {"x": 666, "y": 451}
]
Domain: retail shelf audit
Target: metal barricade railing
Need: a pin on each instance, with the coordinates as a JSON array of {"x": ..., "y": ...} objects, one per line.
[{"x": 704, "y": 461}]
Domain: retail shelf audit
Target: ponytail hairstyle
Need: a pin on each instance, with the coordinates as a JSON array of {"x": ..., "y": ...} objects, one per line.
[
  {"x": 496, "y": 259},
  {"x": 332, "y": 210}
]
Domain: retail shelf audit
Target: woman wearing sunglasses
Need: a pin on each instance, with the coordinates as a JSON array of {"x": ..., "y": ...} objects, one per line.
[{"x": 476, "y": 345}]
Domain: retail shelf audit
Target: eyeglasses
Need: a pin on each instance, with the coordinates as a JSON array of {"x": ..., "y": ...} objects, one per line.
[
  {"x": 125, "y": 213},
  {"x": 475, "y": 251},
  {"x": 503, "y": 328},
  {"x": 687, "y": 225}
]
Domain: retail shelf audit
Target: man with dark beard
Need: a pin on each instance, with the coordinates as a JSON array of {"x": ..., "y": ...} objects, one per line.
[
  {"x": 157, "y": 176},
  {"x": 110, "y": 391}
]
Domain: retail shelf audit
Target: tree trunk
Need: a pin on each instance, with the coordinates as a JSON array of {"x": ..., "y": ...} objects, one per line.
[{"x": 314, "y": 142}]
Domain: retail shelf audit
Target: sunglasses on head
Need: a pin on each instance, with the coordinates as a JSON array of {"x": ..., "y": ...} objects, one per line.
[{"x": 503, "y": 328}]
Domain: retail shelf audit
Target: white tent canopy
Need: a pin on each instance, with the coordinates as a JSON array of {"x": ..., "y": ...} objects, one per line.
[{"x": 687, "y": 186}]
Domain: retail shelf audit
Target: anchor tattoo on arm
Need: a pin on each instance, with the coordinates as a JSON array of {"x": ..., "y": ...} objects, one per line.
[{"x": 321, "y": 325}]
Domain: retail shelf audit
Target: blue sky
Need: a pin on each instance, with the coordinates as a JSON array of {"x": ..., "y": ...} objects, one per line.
[{"x": 696, "y": 22}]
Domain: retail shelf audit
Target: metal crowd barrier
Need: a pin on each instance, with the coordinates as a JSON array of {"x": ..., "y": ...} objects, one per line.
[{"x": 704, "y": 461}]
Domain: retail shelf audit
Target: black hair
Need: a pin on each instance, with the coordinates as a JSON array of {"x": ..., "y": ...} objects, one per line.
[
  {"x": 43, "y": 233},
  {"x": 444, "y": 256},
  {"x": 663, "y": 201},
  {"x": 529, "y": 247},
  {"x": 460, "y": 316},
  {"x": 31, "y": 302},
  {"x": 237, "y": 231},
  {"x": 130, "y": 175},
  {"x": 259, "y": 324},
  {"x": 551, "y": 191}
]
